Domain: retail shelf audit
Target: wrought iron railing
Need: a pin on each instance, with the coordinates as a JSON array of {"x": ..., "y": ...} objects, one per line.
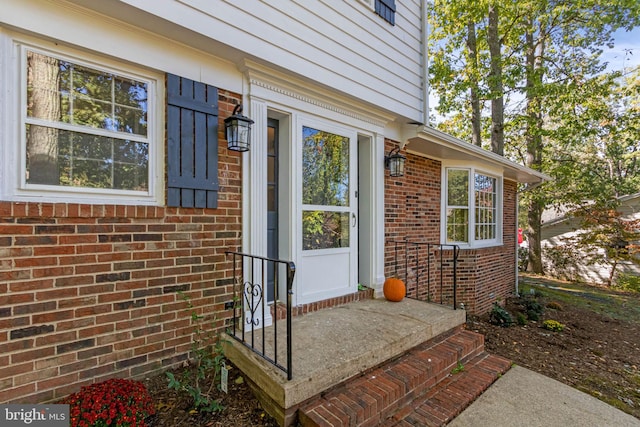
[
  {"x": 429, "y": 270},
  {"x": 256, "y": 296}
]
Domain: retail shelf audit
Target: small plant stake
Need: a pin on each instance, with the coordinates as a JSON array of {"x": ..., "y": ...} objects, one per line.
[{"x": 224, "y": 378}]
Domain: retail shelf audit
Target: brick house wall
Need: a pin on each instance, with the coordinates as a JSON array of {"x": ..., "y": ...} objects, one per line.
[
  {"x": 412, "y": 210},
  {"x": 89, "y": 292}
]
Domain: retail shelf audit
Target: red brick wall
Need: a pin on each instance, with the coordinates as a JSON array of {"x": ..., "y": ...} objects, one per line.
[
  {"x": 89, "y": 292},
  {"x": 412, "y": 210}
]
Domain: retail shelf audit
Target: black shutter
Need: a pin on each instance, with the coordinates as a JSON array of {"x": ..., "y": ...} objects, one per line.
[
  {"x": 192, "y": 143},
  {"x": 387, "y": 10}
]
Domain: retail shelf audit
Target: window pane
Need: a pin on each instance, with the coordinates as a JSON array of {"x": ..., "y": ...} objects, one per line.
[
  {"x": 60, "y": 91},
  {"x": 485, "y": 207},
  {"x": 457, "y": 225},
  {"x": 325, "y": 230},
  {"x": 325, "y": 173},
  {"x": 65, "y": 158},
  {"x": 457, "y": 187}
]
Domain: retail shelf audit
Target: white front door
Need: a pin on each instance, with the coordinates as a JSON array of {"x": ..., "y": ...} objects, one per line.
[{"x": 328, "y": 216}]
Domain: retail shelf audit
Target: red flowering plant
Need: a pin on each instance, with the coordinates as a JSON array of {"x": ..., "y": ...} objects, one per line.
[{"x": 111, "y": 403}]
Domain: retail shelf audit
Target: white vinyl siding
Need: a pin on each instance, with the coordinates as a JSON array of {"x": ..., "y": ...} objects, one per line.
[{"x": 342, "y": 45}]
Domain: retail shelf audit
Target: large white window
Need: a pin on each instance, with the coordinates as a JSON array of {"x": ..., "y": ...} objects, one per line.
[
  {"x": 473, "y": 207},
  {"x": 87, "y": 131}
]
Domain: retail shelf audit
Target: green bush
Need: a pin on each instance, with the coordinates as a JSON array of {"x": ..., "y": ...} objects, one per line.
[
  {"x": 198, "y": 380},
  {"x": 627, "y": 282},
  {"x": 499, "y": 316},
  {"x": 521, "y": 319}
]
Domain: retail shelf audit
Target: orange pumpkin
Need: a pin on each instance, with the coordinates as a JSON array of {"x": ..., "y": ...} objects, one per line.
[{"x": 394, "y": 289}]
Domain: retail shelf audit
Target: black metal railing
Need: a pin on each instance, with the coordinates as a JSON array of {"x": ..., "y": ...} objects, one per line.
[
  {"x": 429, "y": 270},
  {"x": 256, "y": 296}
]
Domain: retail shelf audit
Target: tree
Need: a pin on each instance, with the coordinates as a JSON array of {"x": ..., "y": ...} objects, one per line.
[{"x": 538, "y": 50}]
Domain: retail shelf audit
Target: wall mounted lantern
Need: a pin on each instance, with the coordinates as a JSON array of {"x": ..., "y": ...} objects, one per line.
[
  {"x": 394, "y": 161},
  {"x": 238, "y": 130}
]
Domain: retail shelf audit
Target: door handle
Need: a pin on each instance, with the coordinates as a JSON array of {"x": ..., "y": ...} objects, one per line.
[{"x": 353, "y": 219}]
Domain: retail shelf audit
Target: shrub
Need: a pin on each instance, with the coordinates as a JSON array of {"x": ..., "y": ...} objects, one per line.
[
  {"x": 200, "y": 381},
  {"x": 627, "y": 282},
  {"x": 111, "y": 403},
  {"x": 521, "y": 319},
  {"x": 553, "y": 325},
  {"x": 555, "y": 305},
  {"x": 499, "y": 316}
]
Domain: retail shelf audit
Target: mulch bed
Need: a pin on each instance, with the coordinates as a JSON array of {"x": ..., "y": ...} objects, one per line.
[{"x": 594, "y": 353}]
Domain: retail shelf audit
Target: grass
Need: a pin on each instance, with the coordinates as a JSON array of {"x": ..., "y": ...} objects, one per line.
[{"x": 615, "y": 304}]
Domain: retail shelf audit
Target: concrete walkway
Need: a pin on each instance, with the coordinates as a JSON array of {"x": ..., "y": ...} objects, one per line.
[{"x": 525, "y": 398}]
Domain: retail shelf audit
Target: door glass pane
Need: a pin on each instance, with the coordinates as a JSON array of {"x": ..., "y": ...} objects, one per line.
[
  {"x": 325, "y": 173},
  {"x": 271, "y": 140},
  {"x": 325, "y": 230},
  {"x": 271, "y": 169}
]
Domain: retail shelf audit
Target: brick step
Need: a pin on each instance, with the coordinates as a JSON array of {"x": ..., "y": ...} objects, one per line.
[
  {"x": 450, "y": 397},
  {"x": 378, "y": 395}
]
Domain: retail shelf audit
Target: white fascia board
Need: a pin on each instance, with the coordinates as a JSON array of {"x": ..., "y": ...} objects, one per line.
[{"x": 430, "y": 142}]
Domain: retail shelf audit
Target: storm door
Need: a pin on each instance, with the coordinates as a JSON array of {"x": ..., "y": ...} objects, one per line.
[{"x": 329, "y": 213}]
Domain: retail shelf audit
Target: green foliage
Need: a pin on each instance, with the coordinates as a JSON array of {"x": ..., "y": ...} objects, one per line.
[
  {"x": 532, "y": 307},
  {"x": 500, "y": 316},
  {"x": 459, "y": 368},
  {"x": 628, "y": 282},
  {"x": 521, "y": 319},
  {"x": 553, "y": 325},
  {"x": 201, "y": 379},
  {"x": 564, "y": 114}
]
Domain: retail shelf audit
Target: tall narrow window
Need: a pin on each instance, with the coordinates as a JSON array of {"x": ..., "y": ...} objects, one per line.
[
  {"x": 457, "y": 205},
  {"x": 486, "y": 207}
]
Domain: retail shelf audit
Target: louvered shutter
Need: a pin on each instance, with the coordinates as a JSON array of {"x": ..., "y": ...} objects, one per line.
[
  {"x": 387, "y": 10},
  {"x": 192, "y": 143}
]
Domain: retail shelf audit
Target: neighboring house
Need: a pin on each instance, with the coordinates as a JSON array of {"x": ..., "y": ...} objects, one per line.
[
  {"x": 118, "y": 194},
  {"x": 563, "y": 258}
]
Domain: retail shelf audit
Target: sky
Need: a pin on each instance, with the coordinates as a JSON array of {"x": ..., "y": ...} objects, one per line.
[{"x": 626, "y": 53}]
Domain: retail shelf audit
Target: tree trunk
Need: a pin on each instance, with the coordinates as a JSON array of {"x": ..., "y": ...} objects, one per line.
[
  {"x": 495, "y": 83},
  {"x": 533, "y": 139},
  {"x": 472, "y": 50},
  {"x": 43, "y": 103}
]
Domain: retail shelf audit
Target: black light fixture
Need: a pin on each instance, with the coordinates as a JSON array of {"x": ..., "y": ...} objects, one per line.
[
  {"x": 238, "y": 130},
  {"x": 394, "y": 161}
]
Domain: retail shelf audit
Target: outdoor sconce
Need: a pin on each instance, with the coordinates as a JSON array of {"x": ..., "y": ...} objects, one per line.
[
  {"x": 238, "y": 130},
  {"x": 394, "y": 161}
]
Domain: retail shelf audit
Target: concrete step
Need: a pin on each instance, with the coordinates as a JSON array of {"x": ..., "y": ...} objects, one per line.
[{"x": 419, "y": 385}]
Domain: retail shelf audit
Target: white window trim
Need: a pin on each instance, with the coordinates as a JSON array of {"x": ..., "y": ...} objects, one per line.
[
  {"x": 473, "y": 243},
  {"x": 13, "y": 185}
]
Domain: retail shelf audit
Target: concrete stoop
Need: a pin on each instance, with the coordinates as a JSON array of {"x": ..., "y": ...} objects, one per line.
[{"x": 427, "y": 386}]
